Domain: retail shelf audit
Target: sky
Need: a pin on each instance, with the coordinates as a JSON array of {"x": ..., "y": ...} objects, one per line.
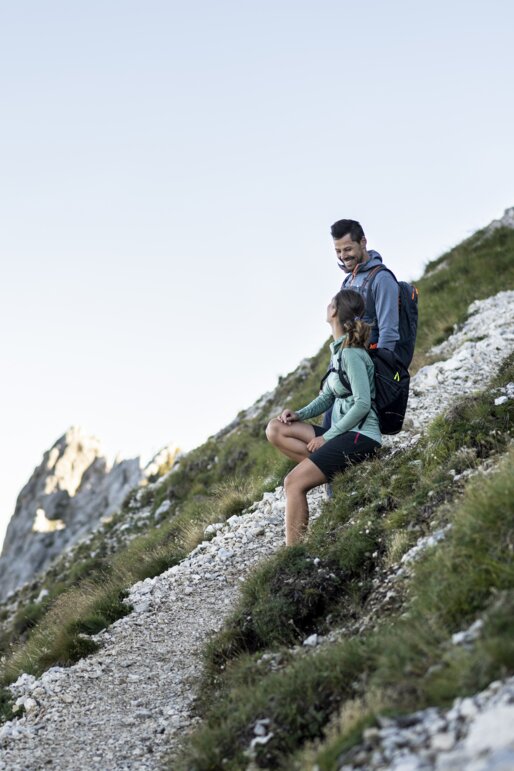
[{"x": 169, "y": 172}]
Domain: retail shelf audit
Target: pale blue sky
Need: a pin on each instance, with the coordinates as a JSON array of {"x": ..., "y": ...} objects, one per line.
[{"x": 169, "y": 174}]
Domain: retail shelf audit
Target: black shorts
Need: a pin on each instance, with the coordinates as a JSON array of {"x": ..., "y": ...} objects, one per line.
[{"x": 342, "y": 451}]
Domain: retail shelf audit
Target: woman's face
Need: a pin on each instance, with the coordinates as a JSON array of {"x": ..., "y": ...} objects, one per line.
[{"x": 331, "y": 310}]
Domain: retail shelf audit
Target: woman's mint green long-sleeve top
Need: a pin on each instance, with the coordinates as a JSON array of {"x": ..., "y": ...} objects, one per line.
[{"x": 348, "y": 410}]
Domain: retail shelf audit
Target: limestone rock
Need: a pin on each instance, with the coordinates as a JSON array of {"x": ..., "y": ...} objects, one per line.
[{"x": 65, "y": 498}]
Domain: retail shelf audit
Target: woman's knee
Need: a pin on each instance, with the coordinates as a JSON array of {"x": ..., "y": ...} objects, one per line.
[
  {"x": 304, "y": 477},
  {"x": 273, "y": 430},
  {"x": 292, "y": 482}
]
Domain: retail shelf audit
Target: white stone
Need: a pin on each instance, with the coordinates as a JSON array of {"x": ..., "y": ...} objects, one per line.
[
  {"x": 468, "y": 708},
  {"x": 163, "y": 508},
  {"x": 443, "y": 742},
  {"x": 261, "y": 727},
  {"x": 260, "y": 740},
  {"x": 41, "y": 596},
  {"x": 468, "y": 635},
  {"x": 491, "y": 730},
  {"x": 225, "y": 554},
  {"x": 142, "y": 607},
  {"x": 406, "y": 763}
]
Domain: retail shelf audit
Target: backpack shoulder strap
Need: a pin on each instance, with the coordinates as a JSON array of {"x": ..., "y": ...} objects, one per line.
[
  {"x": 369, "y": 280},
  {"x": 343, "y": 377},
  {"x": 327, "y": 373}
]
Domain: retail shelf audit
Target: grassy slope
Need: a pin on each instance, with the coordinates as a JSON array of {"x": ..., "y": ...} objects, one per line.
[{"x": 85, "y": 592}]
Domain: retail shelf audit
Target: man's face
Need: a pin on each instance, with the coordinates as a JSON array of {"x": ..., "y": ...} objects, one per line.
[{"x": 349, "y": 253}]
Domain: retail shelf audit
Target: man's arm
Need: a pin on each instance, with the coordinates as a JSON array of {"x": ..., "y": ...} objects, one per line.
[{"x": 385, "y": 295}]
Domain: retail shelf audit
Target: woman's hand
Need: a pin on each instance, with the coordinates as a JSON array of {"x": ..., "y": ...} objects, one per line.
[
  {"x": 316, "y": 443},
  {"x": 287, "y": 417}
]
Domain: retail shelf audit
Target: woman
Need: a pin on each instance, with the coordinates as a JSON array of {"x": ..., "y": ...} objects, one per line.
[{"x": 354, "y": 434}]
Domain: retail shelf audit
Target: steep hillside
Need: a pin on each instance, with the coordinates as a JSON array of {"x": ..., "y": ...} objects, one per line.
[
  {"x": 160, "y": 524},
  {"x": 478, "y": 268},
  {"x": 349, "y": 581}
]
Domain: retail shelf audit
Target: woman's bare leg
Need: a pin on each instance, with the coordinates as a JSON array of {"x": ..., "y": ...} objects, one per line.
[
  {"x": 290, "y": 438},
  {"x": 297, "y": 483}
]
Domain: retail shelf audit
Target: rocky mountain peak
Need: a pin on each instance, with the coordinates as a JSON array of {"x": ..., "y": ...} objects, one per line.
[
  {"x": 74, "y": 487},
  {"x": 64, "y": 465}
]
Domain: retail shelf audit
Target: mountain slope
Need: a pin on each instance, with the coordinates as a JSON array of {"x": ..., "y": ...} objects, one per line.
[
  {"x": 185, "y": 495},
  {"x": 174, "y": 612}
]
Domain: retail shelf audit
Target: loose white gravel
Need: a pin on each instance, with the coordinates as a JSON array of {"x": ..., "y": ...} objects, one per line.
[{"x": 127, "y": 704}]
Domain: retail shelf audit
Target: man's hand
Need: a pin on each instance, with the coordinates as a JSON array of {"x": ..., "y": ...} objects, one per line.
[
  {"x": 316, "y": 443},
  {"x": 287, "y": 417}
]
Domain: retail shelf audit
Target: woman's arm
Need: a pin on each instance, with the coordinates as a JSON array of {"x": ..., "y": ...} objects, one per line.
[
  {"x": 357, "y": 374},
  {"x": 318, "y": 405}
]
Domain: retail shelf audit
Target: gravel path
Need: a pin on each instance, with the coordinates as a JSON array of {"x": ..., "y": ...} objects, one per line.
[{"x": 122, "y": 707}]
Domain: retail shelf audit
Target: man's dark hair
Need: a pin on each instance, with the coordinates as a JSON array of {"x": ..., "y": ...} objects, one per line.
[{"x": 343, "y": 227}]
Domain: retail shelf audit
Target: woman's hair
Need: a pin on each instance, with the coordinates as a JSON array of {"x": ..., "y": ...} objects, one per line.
[{"x": 350, "y": 307}]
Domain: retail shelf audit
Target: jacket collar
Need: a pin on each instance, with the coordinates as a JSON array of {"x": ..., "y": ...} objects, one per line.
[{"x": 335, "y": 345}]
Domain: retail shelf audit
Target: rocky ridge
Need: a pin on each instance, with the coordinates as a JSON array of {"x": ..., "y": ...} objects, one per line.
[
  {"x": 123, "y": 706},
  {"x": 72, "y": 491}
]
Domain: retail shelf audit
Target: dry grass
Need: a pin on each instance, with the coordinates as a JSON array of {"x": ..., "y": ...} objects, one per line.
[{"x": 398, "y": 544}]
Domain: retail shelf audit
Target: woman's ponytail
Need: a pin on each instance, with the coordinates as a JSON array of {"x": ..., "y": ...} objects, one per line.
[
  {"x": 357, "y": 332},
  {"x": 350, "y": 307}
]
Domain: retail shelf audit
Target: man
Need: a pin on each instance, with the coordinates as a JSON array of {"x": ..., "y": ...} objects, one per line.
[{"x": 355, "y": 259}]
